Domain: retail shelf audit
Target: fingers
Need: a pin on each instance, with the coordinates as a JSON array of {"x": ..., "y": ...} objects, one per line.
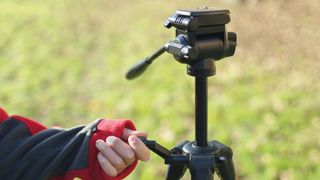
[
  {"x": 116, "y": 155},
  {"x": 109, "y": 160},
  {"x": 107, "y": 167},
  {"x": 139, "y": 148},
  {"x": 122, "y": 149},
  {"x": 129, "y": 132}
]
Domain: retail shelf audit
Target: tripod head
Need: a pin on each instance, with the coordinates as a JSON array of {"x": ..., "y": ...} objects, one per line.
[{"x": 200, "y": 34}]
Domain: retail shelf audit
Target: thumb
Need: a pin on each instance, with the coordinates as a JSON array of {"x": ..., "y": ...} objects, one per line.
[{"x": 128, "y": 132}]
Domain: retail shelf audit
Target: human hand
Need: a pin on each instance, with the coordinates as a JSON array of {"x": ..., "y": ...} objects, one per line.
[{"x": 116, "y": 155}]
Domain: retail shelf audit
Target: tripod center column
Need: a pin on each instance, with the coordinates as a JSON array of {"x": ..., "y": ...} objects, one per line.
[
  {"x": 201, "y": 70},
  {"x": 201, "y": 110}
]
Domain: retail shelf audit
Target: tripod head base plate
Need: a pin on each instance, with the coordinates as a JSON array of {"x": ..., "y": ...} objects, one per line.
[{"x": 202, "y": 68}]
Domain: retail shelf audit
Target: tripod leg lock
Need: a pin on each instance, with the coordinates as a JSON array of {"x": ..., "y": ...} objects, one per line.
[{"x": 170, "y": 157}]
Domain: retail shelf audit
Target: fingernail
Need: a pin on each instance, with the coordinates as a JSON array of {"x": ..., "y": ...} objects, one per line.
[
  {"x": 110, "y": 140},
  {"x": 98, "y": 143},
  {"x": 133, "y": 139}
]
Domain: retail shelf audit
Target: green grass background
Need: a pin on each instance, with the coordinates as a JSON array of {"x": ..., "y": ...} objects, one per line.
[{"x": 63, "y": 62}]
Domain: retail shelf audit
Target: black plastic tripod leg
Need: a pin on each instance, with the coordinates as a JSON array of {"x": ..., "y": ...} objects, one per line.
[
  {"x": 225, "y": 168},
  {"x": 175, "y": 172},
  {"x": 201, "y": 167}
]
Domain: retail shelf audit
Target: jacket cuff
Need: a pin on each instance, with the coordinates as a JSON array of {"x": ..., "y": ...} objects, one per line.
[
  {"x": 104, "y": 129},
  {"x": 3, "y": 115},
  {"x": 115, "y": 127}
]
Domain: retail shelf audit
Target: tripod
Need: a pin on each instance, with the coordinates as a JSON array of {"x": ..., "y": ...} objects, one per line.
[{"x": 200, "y": 39}]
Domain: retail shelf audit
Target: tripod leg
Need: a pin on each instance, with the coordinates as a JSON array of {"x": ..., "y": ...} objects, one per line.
[
  {"x": 225, "y": 168},
  {"x": 201, "y": 167},
  {"x": 224, "y": 164},
  {"x": 175, "y": 172}
]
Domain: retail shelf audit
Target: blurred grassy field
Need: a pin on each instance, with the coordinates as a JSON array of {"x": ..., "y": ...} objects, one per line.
[{"x": 63, "y": 63}]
